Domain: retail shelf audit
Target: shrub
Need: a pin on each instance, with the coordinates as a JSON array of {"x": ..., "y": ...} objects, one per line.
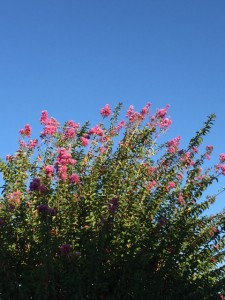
[{"x": 84, "y": 218}]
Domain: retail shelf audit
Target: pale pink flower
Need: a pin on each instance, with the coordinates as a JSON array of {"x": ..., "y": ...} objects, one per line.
[{"x": 105, "y": 111}]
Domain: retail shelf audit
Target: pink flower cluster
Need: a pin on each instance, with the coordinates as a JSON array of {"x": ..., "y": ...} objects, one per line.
[
  {"x": 50, "y": 124},
  {"x": 32, "y": 144},
  {"x": 172, "y": 146},
  {"x": 85, "y": 140},
  {"x": 71, "y": 129},
  {"x": 96, "y": 130},
  {"x": 120, "y": 125},
  {"x": 49, "y": 170},
  {"x": 26, "y": 131},
  {"x": 222, "y": 157},
  {"x": 74, "y": 178},
  {"x": 15, "y": 197},
  {"x": 159, "y": 118},
  {"x": 151, "y": 185},
  {"x": 106, "y": 111},
  {"x": 209, "y": 150},
  {"x": 171, "y": 185},
  {"x": 134, "y": 116},
  {"x": 186, "y": 159},
  {"x": 64, "y": 158}
]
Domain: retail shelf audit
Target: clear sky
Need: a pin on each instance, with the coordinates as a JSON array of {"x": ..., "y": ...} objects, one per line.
[{"x": 71, "y": 57}]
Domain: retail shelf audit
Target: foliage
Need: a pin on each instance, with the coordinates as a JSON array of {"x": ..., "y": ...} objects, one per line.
[{"x": 82, "y": 218}]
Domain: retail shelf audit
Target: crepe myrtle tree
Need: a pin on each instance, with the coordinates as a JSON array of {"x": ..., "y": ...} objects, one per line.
[{"x": 83, "y": 216}]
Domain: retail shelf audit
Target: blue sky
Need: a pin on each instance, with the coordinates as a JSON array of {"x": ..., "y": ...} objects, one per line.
[{"x": 72, "y": 57}]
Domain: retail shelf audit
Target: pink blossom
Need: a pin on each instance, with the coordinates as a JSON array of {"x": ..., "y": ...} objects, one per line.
[
  {"x": 151, "y": 170},
  {"x": 96, "y": 130},
  {"x": 32, "y": 144},
  {"x": 105, "y": 111},
  {"x": 223, "y": 169},
  {"x": 15, "y": 197},
  {"x": 195, "y": 149},
  {"x": 74, "y": 125},
  {"x": 70, "y": 133},
  {"x": 64, "y": 158},
  {"x": 120, "y": 125},
  {"x": 207, "y": 156},
  {"x": 71, "y": 129},
  {"x": 165, "y": 123},
  {"x": 145, "y": 109},
  {"x": 222, "y": 157},
  {"x": 9, "y": 157},
  {"x": 102, "y": 149},
  {"x": 49, "y": 170},
  {"x": 170, "y": 186},
  {"x": 51, "y": 124},
  {"x": 161, "y": 113},
  {"x": 74, "y": 178},
  {"x": 22, "y": 144},
  {"x": 84, "y": 141},
  {"x": 181, "y": 199},
  {"x": 180, "y": 176},
  {"x": 26, "y": 131},
  {"x": 132, "y": 115},
  {"x": 44, "y": 117},
  {"x": 62, "y": 172},
  {"x": 151, "y": 185},
  {"x": 130, "y": 111},
  {"x": 209, "y": 149},
  {"x": 173, "y": 145}
]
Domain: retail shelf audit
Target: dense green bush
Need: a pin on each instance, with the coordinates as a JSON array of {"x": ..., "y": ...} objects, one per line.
[{"x": 82, "y": 217}]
